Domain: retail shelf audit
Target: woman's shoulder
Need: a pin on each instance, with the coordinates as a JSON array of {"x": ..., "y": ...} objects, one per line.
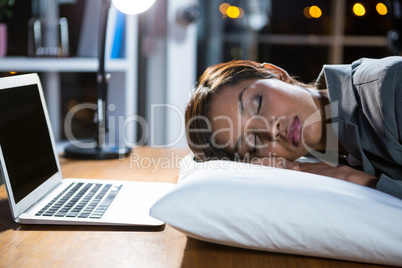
[{"x": 366, "y": 70}]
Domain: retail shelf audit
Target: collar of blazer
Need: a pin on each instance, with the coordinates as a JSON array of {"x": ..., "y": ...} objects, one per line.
[{"x": 343, "y": 106}]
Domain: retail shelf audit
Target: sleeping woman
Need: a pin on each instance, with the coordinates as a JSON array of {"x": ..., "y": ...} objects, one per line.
[{"x": 350, "y": 119}]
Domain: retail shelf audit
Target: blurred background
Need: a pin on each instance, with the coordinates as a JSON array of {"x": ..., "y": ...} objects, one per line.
[{"x": 163, "y": 51}]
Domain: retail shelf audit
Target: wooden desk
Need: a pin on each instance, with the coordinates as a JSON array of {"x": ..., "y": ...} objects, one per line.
[{"x": 87, "y": 246}]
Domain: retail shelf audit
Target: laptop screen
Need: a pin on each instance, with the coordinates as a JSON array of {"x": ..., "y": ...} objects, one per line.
[{"x": 25, "y": 140}]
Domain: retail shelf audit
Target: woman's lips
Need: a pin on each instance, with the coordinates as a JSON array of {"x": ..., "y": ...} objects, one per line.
[{"x": 294, "y": 132}]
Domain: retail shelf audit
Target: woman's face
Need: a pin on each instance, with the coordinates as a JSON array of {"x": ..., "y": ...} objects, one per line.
[{"x": 266, "y": 118}]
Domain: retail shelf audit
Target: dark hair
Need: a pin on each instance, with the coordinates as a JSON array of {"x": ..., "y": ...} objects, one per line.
[{"x": 213, "y": 79}]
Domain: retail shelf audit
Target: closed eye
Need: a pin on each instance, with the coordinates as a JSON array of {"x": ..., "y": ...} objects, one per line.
[{"x": 259, "y": 100}]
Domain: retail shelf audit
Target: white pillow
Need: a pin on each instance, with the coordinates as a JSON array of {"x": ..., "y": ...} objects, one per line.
[{"x": 283, "y": 211}]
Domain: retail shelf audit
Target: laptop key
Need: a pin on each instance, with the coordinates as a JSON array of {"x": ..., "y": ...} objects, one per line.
[
  {"x": 96, "y": 216},
  {"x": 60, "y": 214},
  {"x": 72, "y": 214}
]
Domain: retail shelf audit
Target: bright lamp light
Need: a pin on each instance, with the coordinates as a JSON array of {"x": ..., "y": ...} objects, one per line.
[{"x": 133, "y": 6}]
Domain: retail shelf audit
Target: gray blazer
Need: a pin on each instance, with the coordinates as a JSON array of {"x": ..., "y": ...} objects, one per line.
[{"x": 369, "y": 95}]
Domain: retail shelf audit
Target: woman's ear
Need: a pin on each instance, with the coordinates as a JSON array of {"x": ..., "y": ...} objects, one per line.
[{"x": 280, "y": 73}]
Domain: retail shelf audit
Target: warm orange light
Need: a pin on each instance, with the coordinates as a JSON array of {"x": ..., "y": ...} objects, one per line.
[
  {"x": 241, "y": 13},
  {"x": 233, "y": 12},
  {"x": 223, "y": 8},
  {"x": 13, "y": 72},
  {"x": 306, "y": 12},
  {"x": 381, "y": 9},
  {"x": 359, "y": 9},
  {"x": 315, "y": 12}
]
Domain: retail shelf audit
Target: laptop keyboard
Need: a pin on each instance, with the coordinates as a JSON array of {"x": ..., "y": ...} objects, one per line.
[{"x": 81, "y": 200}]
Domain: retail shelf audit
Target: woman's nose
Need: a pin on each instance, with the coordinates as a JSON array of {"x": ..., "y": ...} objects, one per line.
[{"x": 266, "y": 129}]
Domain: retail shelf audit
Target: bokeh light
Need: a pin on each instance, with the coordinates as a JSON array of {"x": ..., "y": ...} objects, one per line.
[
  {"x": 223, "y": 8},
  {"x": 381, "y": 9},
  {"x": 233, "y": 12},
  {"x": 312, "y": 12},
  {"x": 306, "y": 12},
  {"x": 359, "y": 9},
  {"x": 241, "y": 13},
  {"x": 315, "y": 12}
]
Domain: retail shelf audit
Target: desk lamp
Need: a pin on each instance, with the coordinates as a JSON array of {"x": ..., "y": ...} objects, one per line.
[{"x": 102, "y": 150}]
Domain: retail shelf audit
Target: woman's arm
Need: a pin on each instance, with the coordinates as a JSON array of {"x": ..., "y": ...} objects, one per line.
[{"x": 341, "y": 172}]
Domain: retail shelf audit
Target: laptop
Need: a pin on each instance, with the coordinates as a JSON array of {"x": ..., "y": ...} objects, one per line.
[{"x": 29, "y": 166}]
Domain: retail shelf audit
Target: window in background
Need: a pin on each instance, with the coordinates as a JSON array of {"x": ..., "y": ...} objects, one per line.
[{"x": 298, "y": 35}]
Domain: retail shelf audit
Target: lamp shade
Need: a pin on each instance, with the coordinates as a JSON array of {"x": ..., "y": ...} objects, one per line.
[{"x": 133, "y": 6}]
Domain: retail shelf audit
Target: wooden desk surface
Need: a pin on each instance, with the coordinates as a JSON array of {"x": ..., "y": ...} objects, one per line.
[{"x": 88, "y": 246}]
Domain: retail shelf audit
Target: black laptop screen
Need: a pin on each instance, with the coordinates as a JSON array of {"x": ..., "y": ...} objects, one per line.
[{"x": 25, "y": 140}]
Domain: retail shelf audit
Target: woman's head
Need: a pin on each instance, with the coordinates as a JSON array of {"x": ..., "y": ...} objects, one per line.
[{"x": 245, "y": 109}]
